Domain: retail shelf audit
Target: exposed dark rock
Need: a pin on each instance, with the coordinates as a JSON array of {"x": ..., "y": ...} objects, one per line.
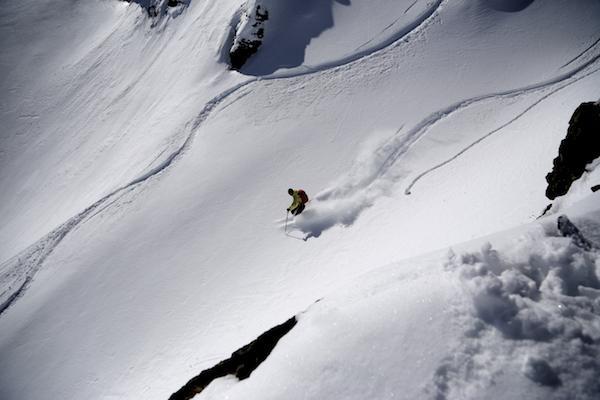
[
  {"x": 242, "y": 52},
  {"x": 548, "y": 207},
  {"x": 568, "y": 229},
  {"x": 579, "y": 148},
  {"x": 595, "y": 188},
  {"x": 241, "y": 363},
  {"x": 249, "y": 34},
  {"x": 158, "y": 8},
  {"x": 152, "y": 11}
]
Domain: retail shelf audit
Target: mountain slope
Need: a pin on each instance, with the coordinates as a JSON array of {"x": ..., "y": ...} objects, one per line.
[{"x": 182, "y": 257}]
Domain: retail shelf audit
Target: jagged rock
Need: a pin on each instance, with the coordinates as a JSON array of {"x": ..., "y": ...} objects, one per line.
[
  {"x": 249, "y": 34},
  {"x": 242, "y": 52},
  {"x": 152, "y": 11},
  {"x": 548, "y": 207},
  {"x": 173, "y": 3},
  {"x": 241, "y": 363},
  {"x": 579, "y": 148},
  {"x": 568, "y": 229}
]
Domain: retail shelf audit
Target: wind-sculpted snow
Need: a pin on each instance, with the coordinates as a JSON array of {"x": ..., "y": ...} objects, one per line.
[{"x": 542, "y": 296}]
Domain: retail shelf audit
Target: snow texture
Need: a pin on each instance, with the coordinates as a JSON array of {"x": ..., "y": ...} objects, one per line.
[
  {"x": 544, "y": 296},
  {"x": 144, "y": 184}
]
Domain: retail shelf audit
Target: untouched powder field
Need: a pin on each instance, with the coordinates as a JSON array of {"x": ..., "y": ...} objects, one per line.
[{"x": 143, "y": 229}]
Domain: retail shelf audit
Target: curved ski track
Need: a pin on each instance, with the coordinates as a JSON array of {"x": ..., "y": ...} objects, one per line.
[
  {"x": 482, "y": 138},
  {"x": 582, "y": 53},
  {"x": 419, "y": 130},
  {"x": 19, "y": 271}
]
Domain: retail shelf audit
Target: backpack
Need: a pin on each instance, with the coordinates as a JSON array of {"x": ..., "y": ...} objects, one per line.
[{"x": 303, "y": 196}]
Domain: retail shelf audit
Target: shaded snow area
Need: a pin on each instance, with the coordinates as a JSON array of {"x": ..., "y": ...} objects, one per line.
[
  {"x": 144, "y": 240},
  {"x": 315, "y": 34}
]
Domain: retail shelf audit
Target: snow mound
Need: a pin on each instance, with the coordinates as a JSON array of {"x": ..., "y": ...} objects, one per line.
[{"x": 543, "y": 296}]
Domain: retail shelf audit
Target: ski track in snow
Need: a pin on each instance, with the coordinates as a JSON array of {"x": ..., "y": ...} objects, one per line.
[
  {"x": 388, "y": 27},
  {"x": 582, "y": 53},
  {"x": 17, "y": 273},
  {"x": 411, "y": 6},
  {"x": 421, "y": 128},
  {"x": 487, "y": 135},
  {"x": 369, "y": 179}
]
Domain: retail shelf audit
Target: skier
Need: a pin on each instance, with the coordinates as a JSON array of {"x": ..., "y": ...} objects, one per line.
[{"x": 300, "y": 199}]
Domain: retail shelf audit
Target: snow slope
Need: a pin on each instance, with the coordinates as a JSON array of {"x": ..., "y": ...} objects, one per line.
[
  {"x": 517, "y": 314},
  {"x": 162, "y": 177}
]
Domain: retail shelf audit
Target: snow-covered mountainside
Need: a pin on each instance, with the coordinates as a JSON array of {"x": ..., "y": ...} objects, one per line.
[{"x": 144, "y": 238}]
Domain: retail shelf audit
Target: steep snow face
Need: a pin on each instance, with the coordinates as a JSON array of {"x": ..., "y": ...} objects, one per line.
[{"x": 167, "y": 186}]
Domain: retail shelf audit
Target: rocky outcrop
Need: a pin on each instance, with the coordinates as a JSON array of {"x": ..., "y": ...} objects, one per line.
[
  {"x": 241, "y": 363},
  {"x": 579, "y": 148},
  {"x": 156, "y": 8},
  {"x": 568, "y": 229},
  {"x": 249, "y": 34}
]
